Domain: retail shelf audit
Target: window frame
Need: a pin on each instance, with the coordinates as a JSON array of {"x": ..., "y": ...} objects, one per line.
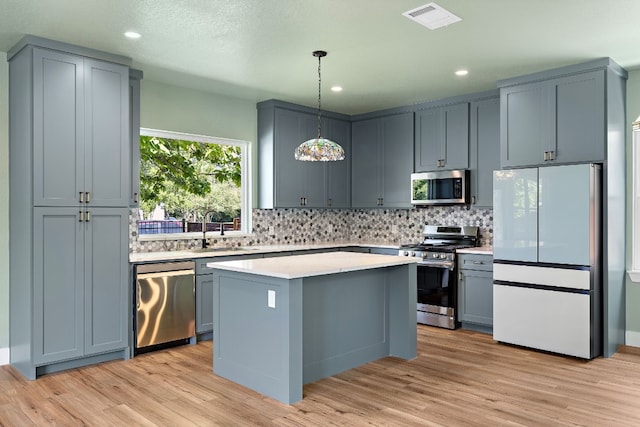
[{"x": 245, "y": 183}]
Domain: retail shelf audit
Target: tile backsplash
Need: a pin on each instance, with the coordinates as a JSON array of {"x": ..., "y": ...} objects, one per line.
[{"x": 313, "y": 226}]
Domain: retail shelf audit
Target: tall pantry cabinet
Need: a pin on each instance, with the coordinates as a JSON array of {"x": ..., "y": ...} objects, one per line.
[{"x": 69, "y": 196}]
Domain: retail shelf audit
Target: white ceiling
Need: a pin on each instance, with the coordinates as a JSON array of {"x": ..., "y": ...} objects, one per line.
[{"x": 261, "y": 49}]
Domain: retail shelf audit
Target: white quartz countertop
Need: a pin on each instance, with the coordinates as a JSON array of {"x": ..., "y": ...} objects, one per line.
[
  {"x": 307, "y": 265},
  {"x": 478, "y": 250},
  {"x": 142, "y": 257}
]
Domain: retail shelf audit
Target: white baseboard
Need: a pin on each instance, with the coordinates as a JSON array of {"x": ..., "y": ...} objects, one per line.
[
  {"x": 4, "y": 356},
  {"x": 632, "y": 339}
]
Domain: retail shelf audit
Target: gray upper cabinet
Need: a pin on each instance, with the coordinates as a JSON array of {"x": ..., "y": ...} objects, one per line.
[
  {"x": 69, "y": 188},
  {"x": 382, "y": 161},
  {"x": 442, "y": 138},
  {"x": 484, "y": 149},
  {"x": 80, "y": 130},
  {"x": 286, "y": 182},
  {"x": 135, "y": 76},
  {"x": 556, "y": 120}
]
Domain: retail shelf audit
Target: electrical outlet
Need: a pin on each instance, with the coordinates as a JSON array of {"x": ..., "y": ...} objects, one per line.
[
  {"x": 272, "y": 230},
  {"x": 271, "y": 298},
  {"x": 394, "y": 229}
]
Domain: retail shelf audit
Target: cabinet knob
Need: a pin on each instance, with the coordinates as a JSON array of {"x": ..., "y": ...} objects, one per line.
[
  {"x": 329, "y": 202},
  {"x": 81, "y": 216},
  {"x": 81, "y": 197},
  {"x": 88, "y": 198},
  {"x": 552, "y": 155},
  {"x": 135, "y": 197}
]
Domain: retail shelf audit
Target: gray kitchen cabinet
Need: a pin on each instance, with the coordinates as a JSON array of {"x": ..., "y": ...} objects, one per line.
[
  {"x": 554, "y": 121},
  {"x": 80, "y": 130},
  {"x": 382, "y": 161},
  {"x": 484, "y": 149},
  {"x": 442, "y": 138},
  {"x": 69, "y": 218},
  {"x": 135, "y": 76},
  {"x": 204, "y": 291},
  {"x": 288, "y": 183},
  {"x": 80, "y": 294},
  {"x": 204, "y": 303},
  {"x": 475, "y": 291}
]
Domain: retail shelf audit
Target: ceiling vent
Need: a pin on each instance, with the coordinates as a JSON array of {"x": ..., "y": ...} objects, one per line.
[{"x": 432, "y": 16}]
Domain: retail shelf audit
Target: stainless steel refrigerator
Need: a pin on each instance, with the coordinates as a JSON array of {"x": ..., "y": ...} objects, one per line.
[{"x": 547, "y": 244}]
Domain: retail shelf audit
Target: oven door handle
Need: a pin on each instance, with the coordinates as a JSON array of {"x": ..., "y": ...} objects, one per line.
[{"x": 438, "y": 264}]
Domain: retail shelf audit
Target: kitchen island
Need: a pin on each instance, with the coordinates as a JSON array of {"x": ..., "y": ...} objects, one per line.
[{"x": 283, "y": 322}]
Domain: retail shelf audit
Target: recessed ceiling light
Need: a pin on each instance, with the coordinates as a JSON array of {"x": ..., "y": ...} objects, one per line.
[
  {"x": 462, "y": 72},
  {"x": 336, "y": 88},
  {"x": 132, "y": 35}
]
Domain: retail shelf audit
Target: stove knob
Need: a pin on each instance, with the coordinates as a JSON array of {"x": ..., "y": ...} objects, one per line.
[
  {"x": 443, "y": 256},
  {"x": 435, "y": 255},
  {"x": 406, "y": 253},
  {"x": 413, "y": 253}
]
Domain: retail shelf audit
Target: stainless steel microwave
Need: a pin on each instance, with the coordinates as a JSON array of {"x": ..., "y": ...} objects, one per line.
[{"x": 440, "y": 188}]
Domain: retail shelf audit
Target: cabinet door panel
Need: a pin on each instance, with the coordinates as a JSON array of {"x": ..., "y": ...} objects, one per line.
[
  {"x": 476, "y": 297},
  {"x": 204, "y": 303},
  {"x": 106, "y": 277},
  {"x": 429, "y": 135},
  {"x": 339, "y": 173},
  {"x": 58, "y": 297},
  {"x": 313, "y": 173},
  {"x": 107, "y": 150},
  {"x": 456, "y": 136},
  {"x": 397, "y": 159},
  {"x": 523, "y": 124},
  {"x": 515, "y": 214},
  {"x": 288, "y": 173},
  {"x": 365, "y": 163},
  {"x": 578, "y": 117},
  {"x": 564, "y": 215},
  {"x": 58, "y": 128},
  {"x": 484, "y": 149}
]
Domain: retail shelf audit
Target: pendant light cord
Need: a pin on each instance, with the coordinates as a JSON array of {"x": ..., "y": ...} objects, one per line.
[{"x": 319, "y": 92}]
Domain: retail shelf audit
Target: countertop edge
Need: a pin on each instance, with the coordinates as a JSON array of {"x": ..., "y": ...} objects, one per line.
[{"x": 383, "y": 261}]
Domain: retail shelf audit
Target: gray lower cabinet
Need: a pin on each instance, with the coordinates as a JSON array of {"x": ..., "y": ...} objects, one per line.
[
  {"x": 288, "y": 183},
  {"x": 80, "y": 277},
  {"x": 484, "y": 147},
  {"x": 553, "y": 121},
  {"x": 204, "y": 291},
  {"x": 382, "y": 161},
  {"x": 475, "y": 291},
  {"x": 442, "y": 138}
]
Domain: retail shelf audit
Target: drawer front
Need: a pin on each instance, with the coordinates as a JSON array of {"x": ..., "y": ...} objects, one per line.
[{"x": 475, "y": 262}]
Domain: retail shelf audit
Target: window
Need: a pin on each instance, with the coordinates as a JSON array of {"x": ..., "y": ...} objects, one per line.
[{"x": 184, "y": 176}]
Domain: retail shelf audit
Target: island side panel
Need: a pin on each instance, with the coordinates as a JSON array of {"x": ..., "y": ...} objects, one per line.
[
  {"x": 354, "y": 318},
  {"x": 256, "y": 345},
  {"x": 345, "y": 322},
  {"x": 403, "y": 322}
]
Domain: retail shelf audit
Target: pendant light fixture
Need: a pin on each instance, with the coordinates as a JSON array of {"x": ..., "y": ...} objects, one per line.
[{"x": 319, "y": 149}]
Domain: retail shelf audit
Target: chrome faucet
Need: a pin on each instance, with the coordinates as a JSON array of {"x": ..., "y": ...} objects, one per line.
[{"x": 204, "y": 229}]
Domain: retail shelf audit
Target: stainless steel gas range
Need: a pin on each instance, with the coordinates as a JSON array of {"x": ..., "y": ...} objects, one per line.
[{"x": 437, "y": 285}]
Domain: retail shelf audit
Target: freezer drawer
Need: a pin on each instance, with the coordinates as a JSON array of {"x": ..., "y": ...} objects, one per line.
[
  {"x": 165, "y": 304},
  {"x": 554, "y": 321}
]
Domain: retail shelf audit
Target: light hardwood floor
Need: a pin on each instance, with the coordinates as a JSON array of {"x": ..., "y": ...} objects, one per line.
[{"x": 460, "y": 378}]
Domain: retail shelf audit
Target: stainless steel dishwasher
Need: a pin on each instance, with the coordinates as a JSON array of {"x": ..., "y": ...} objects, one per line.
[{"x": 165, "y": 303}]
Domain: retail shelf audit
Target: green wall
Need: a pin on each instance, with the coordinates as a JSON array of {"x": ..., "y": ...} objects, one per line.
[
  {"x": 4, "y": 205},
  {"x": 633, "y": 289}
]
